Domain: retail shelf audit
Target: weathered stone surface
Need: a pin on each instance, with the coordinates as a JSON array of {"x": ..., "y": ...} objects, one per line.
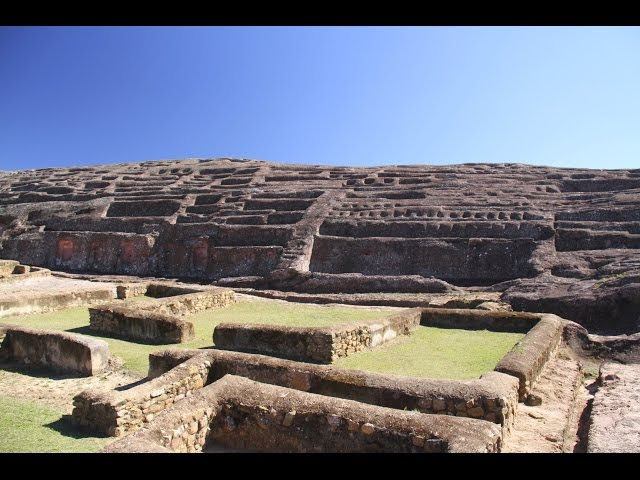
[
  {"x": 157, "y": 320},
  {"x": 314, "y": 344},
  {"x": 130, "y": 409},
  {"x": 54, "y": 350},
  {"x": 139, "y": 325},
  {"x": 45, "y": 293},
  {"x": 527, "y": 359},
  {"x": 496, "y": 392},
  {"x": 615, "y": 416},
  {"x": 380, "y": 429},
  {"x": 563, "y": 241}
]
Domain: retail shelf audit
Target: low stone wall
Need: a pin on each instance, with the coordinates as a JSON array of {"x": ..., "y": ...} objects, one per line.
[
  {"x": 470, "y": 319},
  {"x": 21, "y": 272},
  {"x": 49, "y": 302},
  {"x": 324, "y": 345},
  {"x": 493, "y": 397},
  {"x": 131, "y": 290},
  {"x": 303, "y": 344},
  {"x": 188, "y": 304},
  {"x": 403, "y": 300},
  {"x": 527, "y": 359},
  {"x": 139, "y": 325},
  {"x": 54, "y": 350},
  {"x": 238, "y": 413},
  {"x": 116, "y": 412},
  {"x": 178, "y": 300},
  {"x": 544, "y": 333},
  {"x": 157, "y": 320},
  {"x": 161, "y": 361},
  {"x": 314, "y": 344}
]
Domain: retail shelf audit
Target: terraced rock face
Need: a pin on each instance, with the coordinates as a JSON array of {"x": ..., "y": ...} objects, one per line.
[{"x": 565, "y": 241}]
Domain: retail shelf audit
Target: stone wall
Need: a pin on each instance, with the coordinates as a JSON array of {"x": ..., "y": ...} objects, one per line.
[
  {"x": 613, "y": 423},
  {"x": 131, "y": 290},
  {"x": 529, "y": 356},
  {"x": 435, "y": 229},
  {"x": 157, "y": 320},
  {"x": 473, "y": 319},
  {"x": 161, "y": 361},
  {"x": 139, "y": 325},
  {"x": 493, "y": 397},
  {"x": 99, "y": 252},
  {"x": 54, "y": 350},
  {"x": 177, "y": 300},
  {"x": 12, "y": 271},
  {"x": 49, "y": 302},
  {"x": 314, "y": 344},
  {"x": 238, "y": 413},
  {"x": 401, "y": 300},
  {"x": 22, "y": 272},
  {"x": 117, "y": 412},
  {"x": 458, "y": 260}
]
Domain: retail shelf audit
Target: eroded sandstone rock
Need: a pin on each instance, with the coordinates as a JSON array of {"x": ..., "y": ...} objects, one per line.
[{"x": 563, "y": 241}]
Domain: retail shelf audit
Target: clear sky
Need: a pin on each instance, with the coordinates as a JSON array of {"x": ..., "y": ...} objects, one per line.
[{"x": 320, "y": 95}]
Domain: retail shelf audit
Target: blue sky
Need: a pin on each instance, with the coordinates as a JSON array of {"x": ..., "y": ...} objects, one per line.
[{"x": 320, "y": 95}]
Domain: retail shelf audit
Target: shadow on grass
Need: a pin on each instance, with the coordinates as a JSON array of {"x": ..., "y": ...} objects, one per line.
[{"x": 66, "y": 428}]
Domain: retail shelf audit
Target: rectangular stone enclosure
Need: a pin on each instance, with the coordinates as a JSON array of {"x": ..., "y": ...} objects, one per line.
[
  {"x": 326, "y": 344},
  {"x": 178, "y": 375},
  {"x": 231, "y": 413},
  {"x": 314, "y": 344},
  {"x": 158, "y": 320}
]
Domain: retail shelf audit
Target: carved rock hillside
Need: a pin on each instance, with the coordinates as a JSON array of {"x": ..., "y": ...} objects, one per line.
[{"x": 566, "y": 241}]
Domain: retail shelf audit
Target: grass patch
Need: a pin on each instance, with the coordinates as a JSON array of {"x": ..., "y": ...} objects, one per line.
[
  {"x": 27, "y": 426},
  {"x": 436, "y": 353},
  {"x": 289, "y": 315},
  {"x": 136, "y": 355}
]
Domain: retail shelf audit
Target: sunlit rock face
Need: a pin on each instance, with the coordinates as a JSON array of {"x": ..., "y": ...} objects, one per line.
[{"x": 564, "y": 241}]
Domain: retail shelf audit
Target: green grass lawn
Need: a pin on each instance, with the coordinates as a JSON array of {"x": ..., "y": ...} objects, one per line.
[
  {"x": 135, "y": 355},
  {"x": 27, "y": 426},
  {"x": 436, "y": 353}
]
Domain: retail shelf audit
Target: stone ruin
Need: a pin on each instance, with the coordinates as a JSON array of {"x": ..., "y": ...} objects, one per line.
[
  {"x": 156, "y": 320},
  {"x": 177, "y": 374},
  {"x": 562, "y": 241},
  {"x": 561, "y": 247},
  {"x": 53, "y": 350}
]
